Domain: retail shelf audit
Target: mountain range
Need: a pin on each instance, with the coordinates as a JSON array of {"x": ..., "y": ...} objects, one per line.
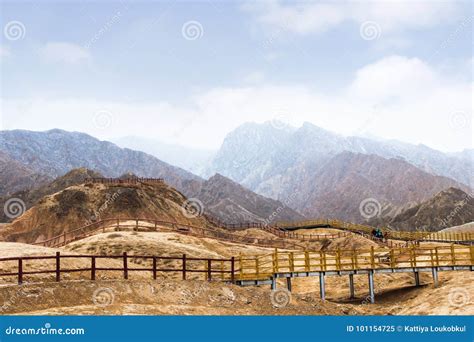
[
  {"x": 328, "y": 175},
  {"x": 257, "y": 154},
  {"x": 190, "y": 159},
  {"x": 55, "y": 153},
  {"x": 261, "y": 172}
]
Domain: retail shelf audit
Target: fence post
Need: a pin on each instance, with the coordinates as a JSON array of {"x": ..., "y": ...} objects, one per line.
[
  {"x": 356, "y": 264},
  {"x": 241, "y": 268},
  {"x": 20, "y": 271},
  {"x": 125, "y": 267},
  {"x": 372, "y": 257},
  {"x": 118, "y": 223},
  {"x": 292, "y": 262},
  {"x": 414, "y": 256},
  {"x": 275, "y": 264},
  {"x": 306, "y": 261},
  {"x": 257, "y": 269},
  {"x": 58, "y": 266},
  {"x": 184, "y": 266},
  {"x": 338, "y": 259},
  {"x": 392, "y": 258},
  {"x": 232, "y": 269},
  {"x": 92, "y": 267},
  {"x": 154, "y": 268},
  {"x": 209, "y": 269},
  {"x": 472, "y": 254},
  {"x": 321, "y": 265},
  {"x": 453, "y": 256}
]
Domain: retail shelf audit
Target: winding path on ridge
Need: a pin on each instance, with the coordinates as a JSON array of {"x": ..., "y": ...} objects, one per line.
[{"x": 285, "y": 231}]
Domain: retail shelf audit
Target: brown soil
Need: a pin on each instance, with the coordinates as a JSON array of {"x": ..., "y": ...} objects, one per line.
[{"x": 395, "y": 293}]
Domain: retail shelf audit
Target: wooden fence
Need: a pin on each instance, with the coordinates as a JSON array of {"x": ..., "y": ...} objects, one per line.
[
  {"x": 211, "y": 268},
  {"x": 389, "y": 233},
  {"x": 255, "y": 267},
  {"x": 121, "y": 181},
  {"x": 289, "y": 240}
]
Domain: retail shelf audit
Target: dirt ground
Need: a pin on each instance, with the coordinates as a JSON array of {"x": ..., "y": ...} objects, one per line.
[
  {"x": 193, "y": 297},
  {"x": 110, "y": 295}
]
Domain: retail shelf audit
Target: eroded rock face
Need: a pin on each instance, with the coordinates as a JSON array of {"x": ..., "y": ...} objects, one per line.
[
  {"x": 83, "y": 204},
  {"x": 452, "y": 207}
]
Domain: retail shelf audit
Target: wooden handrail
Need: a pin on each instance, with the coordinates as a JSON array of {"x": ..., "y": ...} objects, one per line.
[
  {"x": 210, "y": 231},
  {"x": 389, "y": 233},
  {"x": 125, "y": 269},
  {"x": 344, "y": 260}
]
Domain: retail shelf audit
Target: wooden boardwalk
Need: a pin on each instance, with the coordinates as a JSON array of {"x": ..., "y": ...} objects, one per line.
[
  {"x": 289, "y": 238},
  {"x": 259, "y": 269},
  {"x": 266, "y": 269},
  {"x": 389, "y": 233},
  {"x": 290, "y": 261}
]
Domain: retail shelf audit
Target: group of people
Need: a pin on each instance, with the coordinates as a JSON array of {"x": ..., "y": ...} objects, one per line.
[{"x": 377, "y": 233}]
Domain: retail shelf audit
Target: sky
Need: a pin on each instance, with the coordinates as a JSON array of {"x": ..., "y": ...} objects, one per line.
[{"x": 190, "y": 72}]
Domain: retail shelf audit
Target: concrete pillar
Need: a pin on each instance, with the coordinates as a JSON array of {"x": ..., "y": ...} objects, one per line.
[
  {"x": 351, "y": 286},
  {"x": 274, "y": 283},
  {"x": 288, "y": 283},
  {"x": 322, "y": 288},
  {"x": 371, "y": 287},
  {"x": 417, "y": 278},
  {"x": 435, "y": 276}
]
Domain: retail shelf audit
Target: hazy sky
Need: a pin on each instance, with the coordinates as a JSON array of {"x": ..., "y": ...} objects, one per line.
[{"x": 190, "y": 72}]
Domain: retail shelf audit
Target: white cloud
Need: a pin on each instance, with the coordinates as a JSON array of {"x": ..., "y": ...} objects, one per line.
[
  {"x": 396, "y": 97},
  {"x": 393, "y": 77},
  {"x": 391, "y": 15},
  {"x": 62, "y": 52}
]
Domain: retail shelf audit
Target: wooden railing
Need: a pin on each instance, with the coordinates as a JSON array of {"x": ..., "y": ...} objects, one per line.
[
  {"x": 255, "y": 267},
  {"x": 121, "y": 181},
  {"x": 290, "y": 240},
  {"x": 150, "y": 225},
  {"x": 248, "y": 267},
  {"x": 388, "y": 233},
  {"x": 211, "y": 268}
]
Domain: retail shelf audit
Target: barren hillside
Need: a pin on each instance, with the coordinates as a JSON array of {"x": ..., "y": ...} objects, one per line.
[{"x": 79, "y": 205}]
